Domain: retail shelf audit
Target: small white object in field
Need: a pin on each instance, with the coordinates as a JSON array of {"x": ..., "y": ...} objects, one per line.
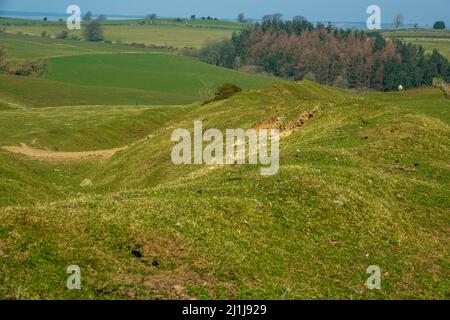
[
  {"x": 86, "y": 183},
  {"x": 400, "y": 88}
]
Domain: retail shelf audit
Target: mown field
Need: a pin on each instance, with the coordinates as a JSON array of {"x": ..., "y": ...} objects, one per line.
[
  {"x": 65, "y": 85},
  {"x": 364, "y": 181},
  {"x": 429, "y": 39}
]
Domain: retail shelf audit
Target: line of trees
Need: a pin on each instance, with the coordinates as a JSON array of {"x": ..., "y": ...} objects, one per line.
[{"x": 348, "y": 58}]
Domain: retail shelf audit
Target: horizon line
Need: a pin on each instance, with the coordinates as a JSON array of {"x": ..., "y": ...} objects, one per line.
[{"x": 137, "y": 16}]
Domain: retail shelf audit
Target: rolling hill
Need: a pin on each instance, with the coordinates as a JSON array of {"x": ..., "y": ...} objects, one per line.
[
  {"x": 363, "y": 182},
  {"x": 165, "y": 73},
  {"x": 128, "y": 75},
  {"x": 162, "y": 32},
  {"x": 86, "y": 177}
]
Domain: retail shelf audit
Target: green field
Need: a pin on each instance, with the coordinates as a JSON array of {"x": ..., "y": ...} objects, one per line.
[
  {"x": 128, "y": 75},
  {"x": 121, "y": 125},
  {"x": 30, "y": 47},
  {"x": 173, "y": 74},
  {"x": 128, "y": 79},
  {"x": 38, "y": 92},
  {"x": 169, "y": 36},
  {"x": 417, "y": 33},
  {"x": 228, "y": 232},
  {"x": 429, "y": 39},
  {"x": 422, "y": 101}
]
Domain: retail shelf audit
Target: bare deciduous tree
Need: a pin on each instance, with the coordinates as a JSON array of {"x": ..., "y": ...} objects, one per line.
[{"x": 398, "y": 21}]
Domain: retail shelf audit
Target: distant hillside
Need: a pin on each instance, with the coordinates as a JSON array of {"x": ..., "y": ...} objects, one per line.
[
  {"x": 173, "y": 33},
  {"x": 86, "y": 73}
]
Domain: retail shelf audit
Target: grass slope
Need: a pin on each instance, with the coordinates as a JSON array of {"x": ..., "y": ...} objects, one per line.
[
  {"x": 166, "y": 73},
  {"x": 148, "y": 229},
  {"x": 38, "y": 92},
  {"x": 97, "y": 127},
  {"x": 128, "y": 75},
  {"x": 69, "y": 129}
]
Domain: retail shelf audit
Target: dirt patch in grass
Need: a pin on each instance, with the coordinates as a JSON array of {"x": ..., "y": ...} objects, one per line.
[
  {"x": 400, "y": 168},
  {"x": 175, "y": 269},
  {"x": 287, "y": 128},
  {"x": 55, "y": 156},
  {"x": 174, "y": 284}
]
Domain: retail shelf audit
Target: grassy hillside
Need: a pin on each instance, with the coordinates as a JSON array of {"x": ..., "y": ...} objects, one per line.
[
  {"x": 38, "y": 92},
  {"x": 361, "y": 183},
  {"x": 128, "y": 75},
  {"x": 166, "y": 73},
  {"x": 98, "y": 127},
  {"x": 427, "y": 101},
  {"x": 155, "y": 79},
  {"x": 68, "y": 129}
]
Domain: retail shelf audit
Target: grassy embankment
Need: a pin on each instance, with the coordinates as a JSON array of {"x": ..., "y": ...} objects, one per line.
[{"x": 149, "y": 229}]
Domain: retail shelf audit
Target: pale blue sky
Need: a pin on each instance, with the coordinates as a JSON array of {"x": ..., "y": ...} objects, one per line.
[{"x": 421, "y": 11}]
